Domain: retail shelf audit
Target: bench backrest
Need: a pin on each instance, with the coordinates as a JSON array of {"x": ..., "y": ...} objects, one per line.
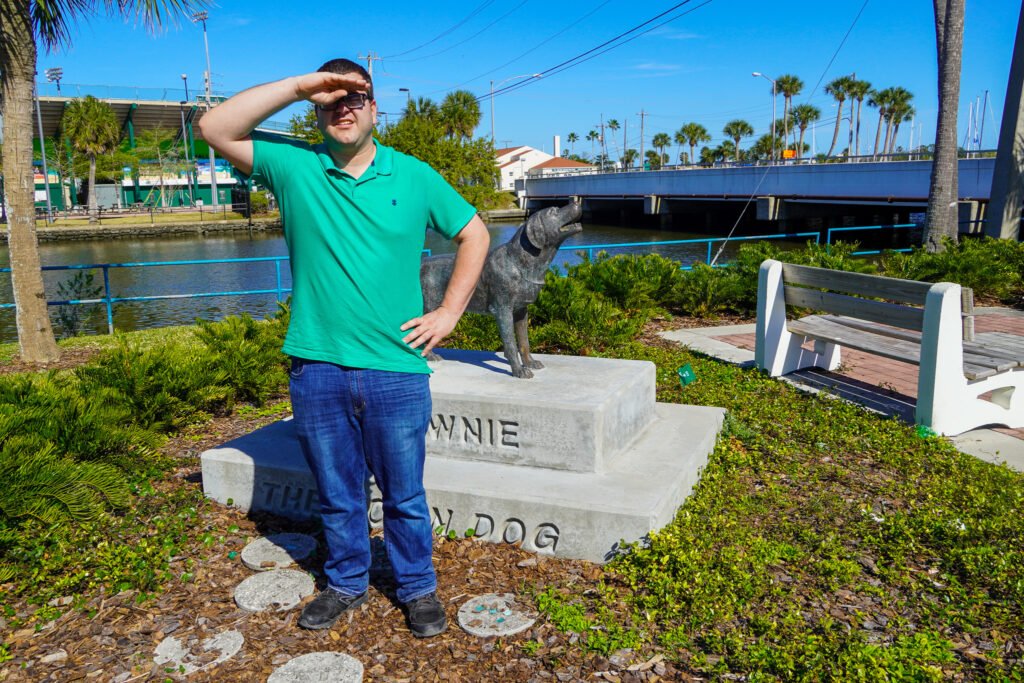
[{"x": 803, "y": 285}]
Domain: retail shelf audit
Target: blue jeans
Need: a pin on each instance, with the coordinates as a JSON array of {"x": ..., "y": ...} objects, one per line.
[{"x": 352, "y": 421}]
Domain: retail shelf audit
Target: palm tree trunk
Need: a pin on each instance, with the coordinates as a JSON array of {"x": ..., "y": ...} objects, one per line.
[
  {"x": 943, "y": 211},
  {"x": 800, "y": 147},
  {"x": 737, "y": 146},
  {"x": 856, "y": 132},
  {"x": 785, "y": 118},
  {"x": 835, "y": 133},
  {"x": 878, "y": 133},
  {"x": 892, "y": 142},
  {"x": 93, "y": 208},
  {"x": 888, "y": 134},
  {"x": 693, "y": 151},
  {"x": 18, "y": 57}
]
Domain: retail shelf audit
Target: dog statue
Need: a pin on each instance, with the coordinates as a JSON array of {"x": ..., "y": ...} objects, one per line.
[{"x": 511, "y": 279}]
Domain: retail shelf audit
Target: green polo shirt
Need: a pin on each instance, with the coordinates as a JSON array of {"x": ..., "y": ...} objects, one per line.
[{"x": 355, "y": 247}]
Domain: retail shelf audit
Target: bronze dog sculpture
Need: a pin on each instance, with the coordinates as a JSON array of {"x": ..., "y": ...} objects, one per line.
[{"x": 511, "y": 280}]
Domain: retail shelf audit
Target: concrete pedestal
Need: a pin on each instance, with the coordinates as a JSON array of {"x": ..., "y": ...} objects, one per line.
[{"x": 569, "y": 463}]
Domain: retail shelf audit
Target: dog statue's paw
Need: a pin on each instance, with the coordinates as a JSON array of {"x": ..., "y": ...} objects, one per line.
[
  {"x": 432, "y": 357},
  {"x": 535, "y": 365},
  {"x": 524, "y": 373}
]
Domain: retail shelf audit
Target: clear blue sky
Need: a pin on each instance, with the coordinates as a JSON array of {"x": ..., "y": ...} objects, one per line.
[{"x": 696, "y": 67}]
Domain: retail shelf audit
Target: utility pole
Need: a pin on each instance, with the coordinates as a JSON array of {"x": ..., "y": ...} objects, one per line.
[
  {"x": 642, "y": 162},
  {"x": 370, "y": 58},
  {"x": 625, "y": 129},
  {"x": 604, "y": 146},
  {"x": 196, "y": 18}
]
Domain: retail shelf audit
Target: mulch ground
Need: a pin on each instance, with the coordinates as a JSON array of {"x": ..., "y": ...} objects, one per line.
[{"x": 113, "y": 637}]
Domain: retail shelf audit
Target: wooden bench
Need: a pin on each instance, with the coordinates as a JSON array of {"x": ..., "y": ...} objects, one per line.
[{"x": 930, "y": 325}]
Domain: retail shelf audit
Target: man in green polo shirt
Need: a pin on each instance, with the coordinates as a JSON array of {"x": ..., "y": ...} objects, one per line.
[{"x": 354, "y": 215}]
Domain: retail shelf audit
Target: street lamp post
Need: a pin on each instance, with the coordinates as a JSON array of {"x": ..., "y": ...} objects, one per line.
[
  {"x": 197, "y": 18},
  {"x": 774, "y": 97},
  {"x": 408, "y": 95},
  {"x": 184, "y": 78},
  {"x": 54, "y": 74},
  {"x": 42, "y": 151},
  {"x": 510, "y": 78}
]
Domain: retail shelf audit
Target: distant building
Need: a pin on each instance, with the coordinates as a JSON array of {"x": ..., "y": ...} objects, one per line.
[{"x": 517, "y": 163}]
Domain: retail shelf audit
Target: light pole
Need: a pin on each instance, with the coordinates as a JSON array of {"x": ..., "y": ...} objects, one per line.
[
  {"x": 408, "y": 95},
  {"x": 197, "y": 18},
  {"x": 184, "y": 78},
  {"x": 54, "y": 74},
  {"x": 510, "y": 78},
  {"x": 42, "y": 151},
  {"x": 774, "y": 97}
]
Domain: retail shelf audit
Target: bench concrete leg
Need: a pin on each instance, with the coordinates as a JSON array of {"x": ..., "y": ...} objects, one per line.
[
  {"x": 777, "y": 350},
  {"x": 946, "y": 401}
]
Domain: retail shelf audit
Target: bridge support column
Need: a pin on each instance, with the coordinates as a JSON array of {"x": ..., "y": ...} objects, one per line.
[
  {"x": 970, "y": 215},
  {"x": 652, "y": 205},
  {"x": 769, "y": 208}
]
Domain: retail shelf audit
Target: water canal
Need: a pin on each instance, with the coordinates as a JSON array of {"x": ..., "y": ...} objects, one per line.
[{"x": 223, "y": 277}]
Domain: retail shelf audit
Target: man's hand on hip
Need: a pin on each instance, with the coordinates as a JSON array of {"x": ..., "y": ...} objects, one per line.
[{"x": 430, "y": 328}]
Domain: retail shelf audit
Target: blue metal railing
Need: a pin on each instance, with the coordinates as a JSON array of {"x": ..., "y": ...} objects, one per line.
[{"x": 280, "y": 291}]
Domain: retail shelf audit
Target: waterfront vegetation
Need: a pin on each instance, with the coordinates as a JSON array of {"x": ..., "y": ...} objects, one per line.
[{"x": 823, "y": 542}]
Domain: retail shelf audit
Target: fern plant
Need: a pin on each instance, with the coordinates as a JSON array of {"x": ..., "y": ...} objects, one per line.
[{"x": 245, "y": 355}]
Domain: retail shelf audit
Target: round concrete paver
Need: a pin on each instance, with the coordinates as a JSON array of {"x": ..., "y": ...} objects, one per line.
[
  {"x": 495, "y": 614},
  {"x": 319, "y": 667},
  {"x": 277, "y": 551},
  {"x": 171, "y": 652},
  {"x": 279, "y": 588}
]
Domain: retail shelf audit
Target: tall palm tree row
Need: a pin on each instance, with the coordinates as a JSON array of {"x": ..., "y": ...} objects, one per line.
[
  {"x": 92, "y": 128},
  {"x": 839, "y": 89},
  {"x": 695, "y": 134},
  {"x": 789, "y": 86},
  {"x": 736, "y": 130},
  {"x": 21, "y": 25},
  {"x": 803, "y": 116}
]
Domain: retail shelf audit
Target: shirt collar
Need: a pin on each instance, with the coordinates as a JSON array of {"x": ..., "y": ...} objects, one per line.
[{"x": 382, "y": 163}]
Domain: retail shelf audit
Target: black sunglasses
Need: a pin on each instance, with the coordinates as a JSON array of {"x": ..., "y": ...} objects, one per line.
[{"x": 355, "y": 100}]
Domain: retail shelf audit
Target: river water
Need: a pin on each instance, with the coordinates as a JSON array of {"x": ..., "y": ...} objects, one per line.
[{"x": 228, "y": 277}]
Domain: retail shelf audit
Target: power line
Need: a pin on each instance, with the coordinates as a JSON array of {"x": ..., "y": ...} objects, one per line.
[
  {"x": 609, "y": 45},
  {"x": 532, "y": 49},
  {"x": 442, "y": 34},
  {"x": 462, "y": 42},
  {"x": 836, "y": 53}
]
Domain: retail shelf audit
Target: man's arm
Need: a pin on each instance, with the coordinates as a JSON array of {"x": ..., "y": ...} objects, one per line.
[
  {"x": 228, "y": 126},
  {"x": 433, "y": 326}
]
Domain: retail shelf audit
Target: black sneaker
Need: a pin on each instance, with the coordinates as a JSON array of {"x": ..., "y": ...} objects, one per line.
[
  {"x": 327, "y": 608},
  {"x": 426, "y": 616}
]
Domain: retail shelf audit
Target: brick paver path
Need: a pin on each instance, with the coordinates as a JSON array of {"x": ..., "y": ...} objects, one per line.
[{"x": 899, "y": 379}]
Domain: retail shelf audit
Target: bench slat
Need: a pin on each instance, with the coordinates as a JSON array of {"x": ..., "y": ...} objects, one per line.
[
  {"x": 835, "y": 330},
  {"x": 866, "y": 309},
  {"x": 894, "y": 289},
  {"x": 999, "y": 344},
  {"x": 876, "y": 328}
]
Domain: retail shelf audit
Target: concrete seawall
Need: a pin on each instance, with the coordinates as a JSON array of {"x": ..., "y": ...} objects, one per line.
[{"x": 134, "y": 230}]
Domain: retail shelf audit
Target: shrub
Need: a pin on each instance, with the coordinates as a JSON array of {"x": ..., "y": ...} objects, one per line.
[
  {"x": 636, "y": 284},
  {"x": 705, "y": 291},
  {"x": 258, "y": 203},
  {"x": 569, "y": 317},
  {"x": 245, "y": 356},
  {"x": 991, "y": 267},
  {"x": 72, "y": 317}
]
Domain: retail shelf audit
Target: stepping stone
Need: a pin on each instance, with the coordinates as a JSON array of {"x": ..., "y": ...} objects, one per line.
[
  {"x": 495, "y": 614},
  {"x": 319, "y": 667},
  {"x": 278, "y": 588},
  {"x": 171, "y": 653},
  {"x": 277, "y": 551}
]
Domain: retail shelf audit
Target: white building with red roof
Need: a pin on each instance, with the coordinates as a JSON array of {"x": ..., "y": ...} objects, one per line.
[{"x": 517, "y": 163}]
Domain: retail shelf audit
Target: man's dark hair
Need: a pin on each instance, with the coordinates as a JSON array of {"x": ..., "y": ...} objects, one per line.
[{"x": 347, "y": 66}]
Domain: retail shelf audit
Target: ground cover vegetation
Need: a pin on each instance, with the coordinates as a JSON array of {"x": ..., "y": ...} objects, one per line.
[{"x": 823, "y": 542}]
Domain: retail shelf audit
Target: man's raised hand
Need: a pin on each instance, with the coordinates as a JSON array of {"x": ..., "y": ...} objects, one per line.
[{"x": 323, "y": 88}]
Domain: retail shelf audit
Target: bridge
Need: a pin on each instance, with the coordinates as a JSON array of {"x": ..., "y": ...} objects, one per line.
[{"x": 801, "y": 194}]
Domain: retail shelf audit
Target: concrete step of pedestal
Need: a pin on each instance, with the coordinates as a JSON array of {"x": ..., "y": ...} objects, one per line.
[{"x": 570, "y": 514}]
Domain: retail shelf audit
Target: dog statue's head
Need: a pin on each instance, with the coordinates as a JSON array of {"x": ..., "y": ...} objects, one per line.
[{"x": 552, "y": 226}]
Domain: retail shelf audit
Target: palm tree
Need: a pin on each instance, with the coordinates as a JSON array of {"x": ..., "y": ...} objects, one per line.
[
  {"x": 422, "y": 107},
  {"x": 572, "y": 139},
  {"x": 695, "y": 134},
  {"x": 660, "y": 141},
  {"x": 737, "y": 129},
  {"x": 840, "y": 90},
  {"x": 881, "y": 99},
  {"x": 790, "y": 86},
  {"x": 92, "y": 128},
  {"x": 858, "y": 91},
  {"x": 20, "y": 25},
  {"x": 803, "y": 116},
  {"x": 653, "y": 159},
  {"x": 460, "y": 114},
  {"x": 613, "y": 126},
  {"x": 899, "y": 107},
  {"x": 629, "y": 158},
  {"x": 904, "y": 112},
  {"x": 592, "y": 136}
]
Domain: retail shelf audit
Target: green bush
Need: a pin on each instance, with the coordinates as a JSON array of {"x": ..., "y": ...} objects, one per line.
[
  {"x": 993, "y": 268},
  {"x": 635, "y": 284},
  {"x": 258, "y": 203},
  {"x": 705, "y": 292},
  {"x": 245, "y": 356},
  {"x": 570, "y": 318}
]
